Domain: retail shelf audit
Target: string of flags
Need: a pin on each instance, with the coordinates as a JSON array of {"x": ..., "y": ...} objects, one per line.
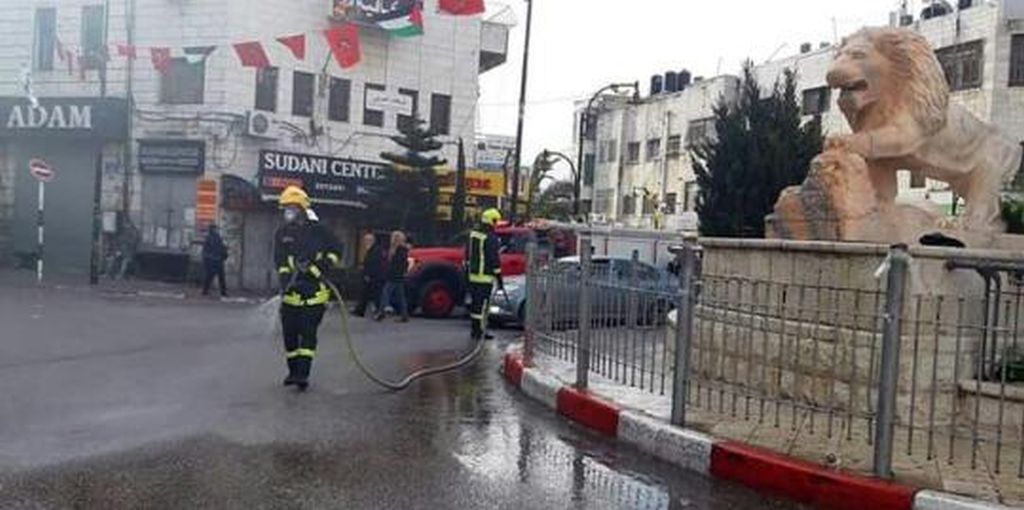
[{"x": 342, "y": 40}]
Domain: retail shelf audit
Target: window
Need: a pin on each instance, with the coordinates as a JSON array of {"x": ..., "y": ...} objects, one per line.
[
  {"x": 588, "y": 169},
  {"x": 653, "y": 149},
  {"x": 670, "y": 203},
  {"x": 632, "y": 153},
  {"x": 962, "y": 64},
  {"x": 94, "y": 37},
  {"x": 817, "y": 100},
  {"x": 611, "y": 151},
  {"x": 407, "y": 121},
  {"x": 649, "y": 203},
  {"x": 674, "y": 148},
  {"x": 339, "y": 102},
  {"x": 183, "y": 83},
  {"x": 700, "y": 131},
  {"x": 45, "y": 38},
  {"x": 441, "y": 114},
  {"x": 628, "y": 204},
  {"x": 266, "y": 89},
  {"x": 690, "y": 196},
  {"x": 917, "y": 180},
  {"x": 1017, "y": 61},
  {"x": 302, "y": 93},
  {"x": 372, "y": 117}
]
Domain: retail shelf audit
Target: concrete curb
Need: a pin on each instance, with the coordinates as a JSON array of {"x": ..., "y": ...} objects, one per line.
[{"x": 760, "y": 469}]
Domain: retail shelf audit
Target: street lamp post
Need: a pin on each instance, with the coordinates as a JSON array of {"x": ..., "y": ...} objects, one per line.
[
  {"x": 574, "y": 170},
  {"x": 584, "y": 119}
]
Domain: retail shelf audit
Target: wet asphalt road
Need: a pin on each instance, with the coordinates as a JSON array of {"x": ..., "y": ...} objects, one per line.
[{"x": 120, "y": 403}]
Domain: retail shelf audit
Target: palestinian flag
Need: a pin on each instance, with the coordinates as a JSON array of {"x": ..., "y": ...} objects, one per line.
[{"x": 403, "y": 24}]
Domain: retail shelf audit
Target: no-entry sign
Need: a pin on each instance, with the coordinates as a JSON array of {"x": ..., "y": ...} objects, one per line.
[{"x": 40, "y": 170}]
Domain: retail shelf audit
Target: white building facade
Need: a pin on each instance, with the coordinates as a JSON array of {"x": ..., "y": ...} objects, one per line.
[
  {"x": 206, "y": 139},
  {"x": 979, "y": 44}
]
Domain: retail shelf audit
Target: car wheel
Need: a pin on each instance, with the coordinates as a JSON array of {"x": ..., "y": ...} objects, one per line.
[{"x": 437, "y": 299}]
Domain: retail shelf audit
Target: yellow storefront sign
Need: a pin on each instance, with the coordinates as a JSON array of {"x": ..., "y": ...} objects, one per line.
[{"x": 478, "y": 182}]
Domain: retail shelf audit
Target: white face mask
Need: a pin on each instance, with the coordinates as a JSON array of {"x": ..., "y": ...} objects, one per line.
[{"x": 291, "y": 214}]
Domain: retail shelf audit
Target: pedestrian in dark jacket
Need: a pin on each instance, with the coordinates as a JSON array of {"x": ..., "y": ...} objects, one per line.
[
  {"x": 215, "y": 252},
  {"x": 395, "y": 269},
  {"x": 373, "y": 274}
]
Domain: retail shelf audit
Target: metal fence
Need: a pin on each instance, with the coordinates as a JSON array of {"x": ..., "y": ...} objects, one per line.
[{"x": 930, "y": 373}]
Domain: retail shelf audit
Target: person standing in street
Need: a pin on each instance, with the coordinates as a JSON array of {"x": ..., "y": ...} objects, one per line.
[
  {"x": 396, "y": 267},
  {"x": 373, "y": 274},
  {"x": 215, "y": 252},
  {"x": 483, "y": 270},
  {"x": 304, "y": 252}
]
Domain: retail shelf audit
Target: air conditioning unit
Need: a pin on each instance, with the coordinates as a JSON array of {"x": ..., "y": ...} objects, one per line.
[{"x": 262, "y": 125}]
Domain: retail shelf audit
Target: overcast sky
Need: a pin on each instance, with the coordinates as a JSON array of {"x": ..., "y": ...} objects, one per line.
[{"x": 578, "y": 46}]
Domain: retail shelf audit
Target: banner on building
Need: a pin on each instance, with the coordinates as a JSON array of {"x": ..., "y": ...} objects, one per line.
[
  {"x": 206, "y": 204},
  {"x": 327, "y": 180}
]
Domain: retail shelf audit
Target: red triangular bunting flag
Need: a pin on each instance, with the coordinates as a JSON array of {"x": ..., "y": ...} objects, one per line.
[
  {"x": 161, "y": 58},
  {"x": 461, "y": 7},
  {"x": 127, "y": 50},
  {"x": 252, "y": 55},
  {"x": 295, "y": 43},
  {"x": 344, "y": 44}
]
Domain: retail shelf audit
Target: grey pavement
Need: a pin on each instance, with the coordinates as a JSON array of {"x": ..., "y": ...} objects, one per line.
[{"x": 126, "y": 402}]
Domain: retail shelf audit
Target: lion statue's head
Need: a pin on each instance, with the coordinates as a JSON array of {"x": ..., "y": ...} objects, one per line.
[{"x": 883, "y": 73}]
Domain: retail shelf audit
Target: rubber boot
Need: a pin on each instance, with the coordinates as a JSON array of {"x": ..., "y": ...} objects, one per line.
[
  {"x": 292, "y": 378},
  {"x": 302, "y": 368}
]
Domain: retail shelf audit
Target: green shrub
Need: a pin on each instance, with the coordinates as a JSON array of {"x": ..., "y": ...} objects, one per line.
[{"x": 1013, "y": 213}]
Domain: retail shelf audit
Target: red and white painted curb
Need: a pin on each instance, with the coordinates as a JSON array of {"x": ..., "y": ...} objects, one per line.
[{"x": 754, "y": 467}]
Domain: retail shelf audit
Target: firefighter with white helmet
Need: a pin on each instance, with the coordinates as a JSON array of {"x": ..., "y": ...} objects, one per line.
[{"x": 304, "y": 252}]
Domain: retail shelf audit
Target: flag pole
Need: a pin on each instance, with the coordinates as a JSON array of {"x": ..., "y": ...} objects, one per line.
[{"x": 522, "y": 112}]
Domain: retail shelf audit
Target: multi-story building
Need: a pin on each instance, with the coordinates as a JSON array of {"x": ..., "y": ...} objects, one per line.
[
  {"x": 204, "y": 138},
  {"x": 636, "y": 165},
  {"x": 980, "y": 46}
]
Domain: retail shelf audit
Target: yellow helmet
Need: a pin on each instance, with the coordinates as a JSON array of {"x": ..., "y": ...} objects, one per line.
[
  {"x": 490, "y": 217},
  {"x": 293, "y": 195}
]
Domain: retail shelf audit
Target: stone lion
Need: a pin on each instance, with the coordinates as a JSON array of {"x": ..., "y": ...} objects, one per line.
[{"x": 896, "y": 99}]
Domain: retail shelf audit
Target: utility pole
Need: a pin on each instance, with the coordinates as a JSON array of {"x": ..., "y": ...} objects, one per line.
[{"x": 522, "y": 113}]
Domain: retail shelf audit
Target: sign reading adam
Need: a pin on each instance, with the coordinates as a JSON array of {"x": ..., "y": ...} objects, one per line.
[
  {"x": 67, "y": 117},
  {"x": 327, "y": 180}
]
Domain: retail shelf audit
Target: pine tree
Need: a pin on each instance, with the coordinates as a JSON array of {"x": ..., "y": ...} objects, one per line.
[
  {"x": 759, "y": 148},
  {"x": 419, "y": 191}
]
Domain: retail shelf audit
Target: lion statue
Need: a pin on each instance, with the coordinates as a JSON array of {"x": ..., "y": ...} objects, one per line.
[{"x": 895, "y": 97}]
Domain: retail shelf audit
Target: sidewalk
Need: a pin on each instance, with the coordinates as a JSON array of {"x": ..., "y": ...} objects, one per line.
[
  {"x": 20, "y": 278},
  {"x": 787, "y": 459}
]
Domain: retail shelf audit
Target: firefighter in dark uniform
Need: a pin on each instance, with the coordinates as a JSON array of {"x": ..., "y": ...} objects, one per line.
[
  {"x": 304, "y": 252},
  {"x": 483, "y": 268}
]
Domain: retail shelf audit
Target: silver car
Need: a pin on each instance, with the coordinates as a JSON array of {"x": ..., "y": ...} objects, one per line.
[{"x": 621, "y": 290}]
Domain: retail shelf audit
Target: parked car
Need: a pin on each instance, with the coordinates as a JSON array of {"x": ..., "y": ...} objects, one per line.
[
  {"x": 437, "y": 281},
  {"x": 613, "y": 281}
]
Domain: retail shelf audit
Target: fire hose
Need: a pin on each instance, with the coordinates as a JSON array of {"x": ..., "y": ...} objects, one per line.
[{"x": 405, "y": 382}]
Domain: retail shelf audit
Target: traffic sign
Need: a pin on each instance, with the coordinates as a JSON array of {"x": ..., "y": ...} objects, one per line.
[{"x": 40, "y": 170}]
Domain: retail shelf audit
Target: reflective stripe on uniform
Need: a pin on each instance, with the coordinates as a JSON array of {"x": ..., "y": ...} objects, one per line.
[
  {"x": 291, "y": 262},
  {"x": 284, "y": 270},
  {"x": 478, "y": 274},
  {"x": 334, "y": 258},
  {"x": 291, "y": 354},
  {"x": 478, "y": 317},
  {"x": 305, "y": 353},
  {"x": 322, "y": 296},
  {"x": 315, "y": 271}
]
